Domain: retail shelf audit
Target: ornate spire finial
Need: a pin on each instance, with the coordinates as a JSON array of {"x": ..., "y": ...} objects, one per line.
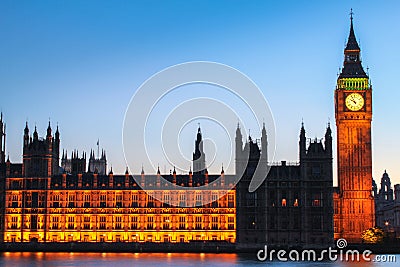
[
  {"x": 351, "y": 14},
  {"x": 352, "y": 41}
]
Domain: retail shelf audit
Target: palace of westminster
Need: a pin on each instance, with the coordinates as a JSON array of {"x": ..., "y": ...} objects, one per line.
[{"x": 296, "y": 205}]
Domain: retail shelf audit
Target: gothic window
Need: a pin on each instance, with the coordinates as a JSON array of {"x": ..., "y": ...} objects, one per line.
[
  {"x": 71, "y": 200},
  {"x": 118, "y": 200},
  {"x": 182, "y": 222},
  {"x": 55, "y": 222},
  {"x": 150, "y": 220},
  {"x": 134, "y": 222},
  {"x": 231, "y": 223},
  {"x": 150, "y": 201},
  {"x": 182, "y": 199},
  {"x": 335, "y": 226},
  {"x": 336, "y": 207},
  {"x": 134, "y": 200},
  {"x": 317, "y": 200},
  {"x": 166, "y": 199},
  {"x": 56, "y": 199},
  {"x": 296, "y": 198},
  {"x": 283, "y": 202},
  {"x": 86, "y": 198},
  {"x": 214, "y": 198},
  {"x": 198, "y": 224},
  {"x": 118, "y": 222},
  {"x": 86, "y": 222},
  {"x": 103, "y": 221},
  {"x": 14, "y": 222},
  {"x": 103, "y": 199},
  {"x": 166, "y": 222},
  {"x": 70, "y": 222},
  {"x": 214, "y": 223},
  {"x": 14, "y": 203},
  {"x": 198, "y": 199},
  {"x": 231, "y": 200},
  {"x": 222, "y": 201}
]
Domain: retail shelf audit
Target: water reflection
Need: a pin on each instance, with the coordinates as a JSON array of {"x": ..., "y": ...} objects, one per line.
[{"x": 13, "y": 259}]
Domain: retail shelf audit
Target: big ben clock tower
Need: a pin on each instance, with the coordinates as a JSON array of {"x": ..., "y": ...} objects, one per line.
[{"x": 353, "y": 111}]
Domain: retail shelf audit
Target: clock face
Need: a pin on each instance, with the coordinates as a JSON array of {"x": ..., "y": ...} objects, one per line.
[{"x": 354, "y": 101}]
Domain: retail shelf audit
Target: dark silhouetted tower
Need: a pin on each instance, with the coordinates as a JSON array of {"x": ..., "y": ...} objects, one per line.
[
  {"x": 41, "y": 155},
  {"x": 199, "y": 158}
]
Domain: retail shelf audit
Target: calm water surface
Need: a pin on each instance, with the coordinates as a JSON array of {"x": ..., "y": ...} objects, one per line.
[{"x": 14, "y": 259}]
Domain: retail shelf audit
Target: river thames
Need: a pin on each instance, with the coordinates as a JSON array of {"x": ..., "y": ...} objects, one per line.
[{"x": 14, "y": 259}]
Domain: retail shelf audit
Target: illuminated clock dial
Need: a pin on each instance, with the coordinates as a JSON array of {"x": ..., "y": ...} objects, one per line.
[{"x": 354, "y": 101}]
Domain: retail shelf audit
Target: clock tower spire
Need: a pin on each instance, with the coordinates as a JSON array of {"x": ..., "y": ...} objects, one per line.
[{"x": 353, "y": 111}]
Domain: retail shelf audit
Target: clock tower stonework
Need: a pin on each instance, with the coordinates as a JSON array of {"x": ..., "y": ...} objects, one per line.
[{"x": 353, "y": 200}]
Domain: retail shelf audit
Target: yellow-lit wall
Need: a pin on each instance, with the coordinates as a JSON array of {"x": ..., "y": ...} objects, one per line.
[{"x": 119, "y": 216}]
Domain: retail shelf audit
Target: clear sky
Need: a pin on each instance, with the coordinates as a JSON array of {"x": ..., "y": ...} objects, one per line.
[{"x": 79, "y": 63}]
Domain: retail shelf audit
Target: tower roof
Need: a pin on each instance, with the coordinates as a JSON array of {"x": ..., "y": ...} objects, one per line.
[
  {"x": 352, "y": 41},
  {"x": 352, "y": 67}
]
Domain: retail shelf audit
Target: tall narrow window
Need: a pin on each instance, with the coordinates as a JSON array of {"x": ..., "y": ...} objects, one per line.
[
  {"x": 182, "y": 222},
  {"x": 118, "y": 222}
]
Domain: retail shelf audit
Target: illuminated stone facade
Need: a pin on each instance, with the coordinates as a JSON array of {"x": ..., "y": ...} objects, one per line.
[
  {"x": 90, "y": 207},
  {"x": 353, "y": 200}
]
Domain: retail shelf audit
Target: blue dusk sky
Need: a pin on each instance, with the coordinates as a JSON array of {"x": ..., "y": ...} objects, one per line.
[{"x": 80, "y": 62}]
